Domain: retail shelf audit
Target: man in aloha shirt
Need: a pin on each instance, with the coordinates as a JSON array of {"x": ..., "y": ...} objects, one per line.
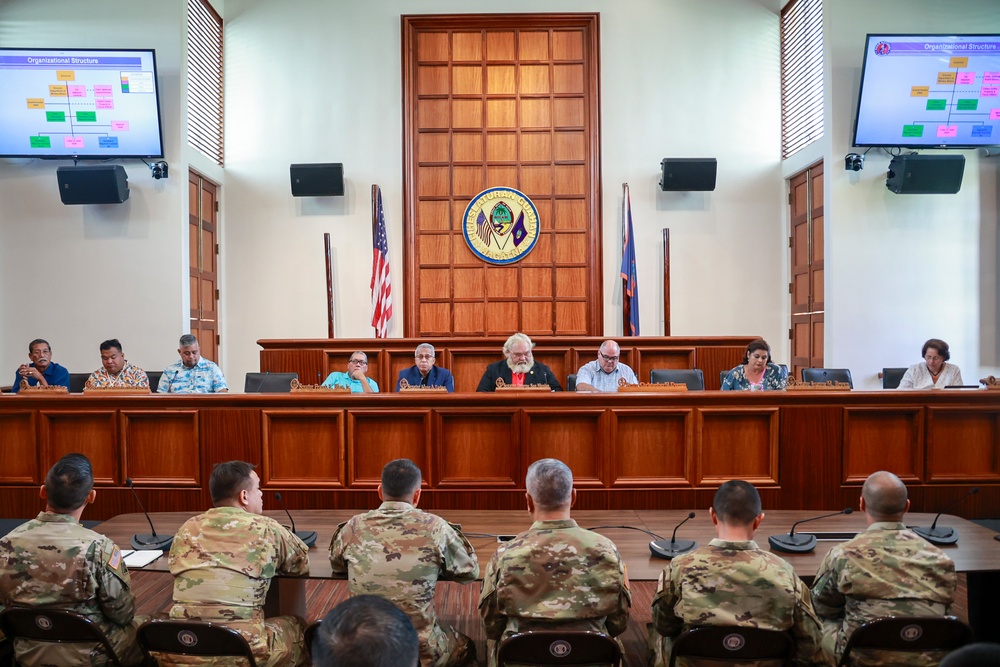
[
  {"x": 193, "y": 374},
  {"x": 116, "y": 371}
]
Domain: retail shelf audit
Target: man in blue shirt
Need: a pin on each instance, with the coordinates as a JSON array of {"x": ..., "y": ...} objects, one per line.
[
  {"x": 41, "y": 371},
  {"x": 354, "y": 379},
  {"x": 424, "y": 372},
  {"x": 193, "y": 374}
]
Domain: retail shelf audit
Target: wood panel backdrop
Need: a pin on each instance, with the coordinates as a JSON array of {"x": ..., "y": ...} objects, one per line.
[{"x": 502, "y": 100}]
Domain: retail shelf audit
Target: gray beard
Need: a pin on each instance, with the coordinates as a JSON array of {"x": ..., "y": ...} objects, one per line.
[{"x": 520, "y": 368}]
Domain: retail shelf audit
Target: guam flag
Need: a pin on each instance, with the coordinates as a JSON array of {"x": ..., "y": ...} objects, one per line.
[{"x": 630, "y": 281}]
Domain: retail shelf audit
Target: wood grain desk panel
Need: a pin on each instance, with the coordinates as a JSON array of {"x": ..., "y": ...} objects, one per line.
[{"x": 629, "y": 451}]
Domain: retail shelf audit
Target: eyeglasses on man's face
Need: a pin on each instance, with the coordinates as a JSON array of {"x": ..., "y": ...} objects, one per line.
[
  {"x": 359, "y": 362},
  {"x": 608, "y": 358}
]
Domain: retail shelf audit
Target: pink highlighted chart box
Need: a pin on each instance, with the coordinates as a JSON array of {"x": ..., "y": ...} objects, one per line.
[
  {"x": 102, "y": 90},
  {"x": 119, "y": 125},
  {"x": 947, "y": 130},
  {"x": 73, "y": 142},
  {"x": 995, "y": 114},
  {"x": 989, "y": 91},
  {"x": 991, "y": 77},
  {"x": 105, "y": 103},
  {"x": 77, "y": 91},
  {"x": 966, "y": 78}
]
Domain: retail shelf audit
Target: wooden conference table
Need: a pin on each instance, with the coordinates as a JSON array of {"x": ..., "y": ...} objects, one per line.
[{"x": 977, "y": 554}]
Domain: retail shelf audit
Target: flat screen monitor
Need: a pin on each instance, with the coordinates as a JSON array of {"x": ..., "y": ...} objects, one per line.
[
  {"x": 929, "y": 91},
  {"x": 79, "y": 104}
]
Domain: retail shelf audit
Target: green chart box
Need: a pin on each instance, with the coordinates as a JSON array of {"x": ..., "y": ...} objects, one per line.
[
  {"x": 913, "y": 130},
  {"x": 968, "y": 105},
  {"x": 41, "y": 142},
  {"x": 86, "y": 116},
  {"x": 937, "y": 105},
  {"x": 55, "y": 116}
]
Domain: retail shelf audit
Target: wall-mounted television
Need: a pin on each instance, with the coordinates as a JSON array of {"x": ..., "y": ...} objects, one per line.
[
  {"x": 79, "y": 104},
  {"x": 929, "y": 91}
]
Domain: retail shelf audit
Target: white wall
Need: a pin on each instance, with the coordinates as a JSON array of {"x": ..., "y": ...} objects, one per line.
[
  {"x": 77, "y": 275},
  {"x": 900, "y": 268}
]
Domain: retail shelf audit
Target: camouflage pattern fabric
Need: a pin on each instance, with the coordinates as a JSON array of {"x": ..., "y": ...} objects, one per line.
[
  {"x": 400, "y": 553},
  {"x": 885, "y": 571},
  {"x": 223, "y": 562},
  {"x": 554, "y": 575},
  {"x": 53, "y": 561},
  {"x": 733, "y": 583}
]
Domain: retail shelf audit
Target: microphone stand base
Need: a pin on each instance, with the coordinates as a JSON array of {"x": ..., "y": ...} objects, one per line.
[
  {"x": 152, "y": 542},
  {"x": 941, "y": 537},
  {"x": 792, "y": 544},
  {"x": 307, "y": 536},
  {"x": 667, "y": 549}
]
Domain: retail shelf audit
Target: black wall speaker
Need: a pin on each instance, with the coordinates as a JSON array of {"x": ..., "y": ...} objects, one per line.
[
  {"x": 318, "y": 180},
  {"x": 925, "y": 174},
  {"x": 688, "y": 174},
  {"x": 95, "y": 184}
]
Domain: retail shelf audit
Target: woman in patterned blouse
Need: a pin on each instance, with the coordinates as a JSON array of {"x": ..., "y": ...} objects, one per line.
[{"x": 756, "y": 373}]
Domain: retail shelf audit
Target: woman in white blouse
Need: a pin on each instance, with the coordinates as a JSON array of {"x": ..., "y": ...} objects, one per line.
[{"x": 935, "y": 371}]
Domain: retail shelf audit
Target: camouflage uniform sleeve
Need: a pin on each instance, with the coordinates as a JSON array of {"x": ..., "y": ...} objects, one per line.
[
  {"x": 618, "y": 621},
  {"x": 460, "y": 562},
  {"x": 806, "y": 629},
  {"x": 338, "y": 548},
  {"x": 494, "y": 621},
  {"x": 665, "y": 621},
  {"x": 293, "y": 554},
  {"x": 114, "y": 585},
  {"x": 828, "y": 601}
]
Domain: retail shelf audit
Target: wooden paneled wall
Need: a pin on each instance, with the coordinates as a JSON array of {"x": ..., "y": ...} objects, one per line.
[
  {"x": 467, "y": 358},
  {"x": 507, "y": 100},
  {"x": 804, "y": 450}
]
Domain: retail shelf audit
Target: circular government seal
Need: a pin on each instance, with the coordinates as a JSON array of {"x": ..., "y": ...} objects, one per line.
[{"x": 500, "y": 225}]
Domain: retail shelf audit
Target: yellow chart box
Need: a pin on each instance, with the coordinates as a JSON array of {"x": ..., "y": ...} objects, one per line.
[
  {"x": 947, "y": 77},
  {"x": 36, "y": 103},
  {"x": 56, "y": 90},
  {"x": 65, "y": 75},
  {"x": 958, "y": 61},
  {"x": 920, "y": 91}
]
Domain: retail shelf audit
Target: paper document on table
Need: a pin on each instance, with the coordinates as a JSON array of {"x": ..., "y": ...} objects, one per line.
[{"x": 138, "y": 559}]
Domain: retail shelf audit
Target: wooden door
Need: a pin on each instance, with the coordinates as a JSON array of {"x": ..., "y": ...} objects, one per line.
[
  {"x": 203, "y": 242},
  {"x": 805, "y": 200},
  {"x": 502, "y": 101}
]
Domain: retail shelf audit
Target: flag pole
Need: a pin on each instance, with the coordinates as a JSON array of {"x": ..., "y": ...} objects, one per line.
[{"x": 329, "y": 285}]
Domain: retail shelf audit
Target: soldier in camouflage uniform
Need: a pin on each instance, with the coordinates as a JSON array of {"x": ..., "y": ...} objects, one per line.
[
  {"x": 223, "y": 562},
  {"x": 886, "y": 570},
  {"x": 555, "y": 574},
  {"x": 53, "y": 561},
  {"x": 732, "y": 582},
  {"x": 400, "y": 553}
]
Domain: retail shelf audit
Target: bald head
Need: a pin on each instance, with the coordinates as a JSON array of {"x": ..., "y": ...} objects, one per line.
[{"x": 885, "y": 496}]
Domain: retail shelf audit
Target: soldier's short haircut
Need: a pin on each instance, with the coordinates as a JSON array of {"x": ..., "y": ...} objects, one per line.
[
  {"x": 973, "y": 655},
  {"x": 38, "y": 341},
  {"x": 737, "y": 502},
  {"x": 366, "y": 631},
  {"x": 885, "y": 496},
  {"x": 69, "y": 482},
  {"x": 400, "y": 478},
  {"x": 228, "y": 479},
  {"x": 187, "y": 340},
  {"x": 550, "y": 484}
]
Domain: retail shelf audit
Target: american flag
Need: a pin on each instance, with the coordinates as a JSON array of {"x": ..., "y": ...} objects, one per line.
[
  {"x": 630, "y": 279},
  {"x": 381, "y": 282}
]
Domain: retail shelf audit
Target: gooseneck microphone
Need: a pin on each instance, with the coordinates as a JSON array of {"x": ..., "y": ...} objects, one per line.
[
  {"x": 151, "y": 541},
  {"x": 803, "y": 542},
  {"x": 670, "y": 549},
  {"x": 945, "y": 535},
  {"x": 307, "y": 536}
]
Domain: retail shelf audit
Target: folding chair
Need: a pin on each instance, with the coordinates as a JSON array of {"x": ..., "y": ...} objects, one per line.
[
  {"x": 907, "y": 634},
  {"x": 555, "y": 647},
  {"x": 59, "y": 626},
  {"x": 728, "y": 643},
  {"x": 199, "y": 638}
]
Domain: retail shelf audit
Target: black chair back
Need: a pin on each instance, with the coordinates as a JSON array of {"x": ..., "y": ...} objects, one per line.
[
  {"x": 692, "y": 377},
  {"x": 891, "y": 377},
  {"x": 54, "y": 625},
  {"x": 554, "y": 647},
  {"x": 827, "y": 375},
  {"x": 723, "y": 375},
  {"x": 571, "y": 382},
  {"x": 907, "y": 634},
  {"x": 76, "y": 382},
  {"x": 199, "y": 638},
  {"x": 269, "y": 383},
  {"x": 726, "y": 643},
  {"x": 154, "y": 379}
]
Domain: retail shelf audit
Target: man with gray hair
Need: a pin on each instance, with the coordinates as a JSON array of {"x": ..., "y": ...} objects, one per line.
[
  {"x": 193, "y": 374},
  {"x": 555, "y": 573},
  {"x": 603, "y": 373},
  {"x": 887, "y": 570},
  {"x": 518, "y": 368},
  {"x": 424, "y": 373}
]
